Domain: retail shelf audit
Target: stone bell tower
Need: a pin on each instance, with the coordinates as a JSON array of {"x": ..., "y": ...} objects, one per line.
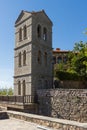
[{"x": 33, "y": 53}]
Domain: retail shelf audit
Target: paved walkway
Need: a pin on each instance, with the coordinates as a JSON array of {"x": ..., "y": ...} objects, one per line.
[{"x": 15, "y": 124}]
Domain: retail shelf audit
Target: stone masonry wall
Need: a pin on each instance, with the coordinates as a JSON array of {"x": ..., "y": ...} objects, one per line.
[
  {"x": 68, "y": 104},
  {"x": 47, "y": 122}
]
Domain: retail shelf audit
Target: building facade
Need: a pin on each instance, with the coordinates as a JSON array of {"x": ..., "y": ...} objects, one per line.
[
  {"x": 60, "y": 56},
  {"x": 33, "y": 53}
]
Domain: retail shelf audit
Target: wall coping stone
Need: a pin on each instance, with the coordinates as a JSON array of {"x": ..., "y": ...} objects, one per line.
[{"x": 50, "y": 119}]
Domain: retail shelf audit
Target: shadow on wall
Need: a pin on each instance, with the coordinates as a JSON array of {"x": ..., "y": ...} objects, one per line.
[{"x": 46, "y": 104}]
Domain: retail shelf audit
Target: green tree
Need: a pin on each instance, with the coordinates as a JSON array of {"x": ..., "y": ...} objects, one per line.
[
  {"x": 78, "y": 60},
  {"x": 10, "y": 91},
  {"x": 6, "y": 91}
]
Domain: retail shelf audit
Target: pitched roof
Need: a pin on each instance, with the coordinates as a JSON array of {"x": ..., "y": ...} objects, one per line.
[
  {"x": 20, "y": 15},
  {"x": 32, "y": 13}
]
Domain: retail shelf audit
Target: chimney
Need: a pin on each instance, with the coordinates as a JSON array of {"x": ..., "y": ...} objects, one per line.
[{"x": 58, "y": 49}]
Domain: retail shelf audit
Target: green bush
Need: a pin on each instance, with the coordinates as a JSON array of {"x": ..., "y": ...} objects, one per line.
[{"x": 62, "y": 75}]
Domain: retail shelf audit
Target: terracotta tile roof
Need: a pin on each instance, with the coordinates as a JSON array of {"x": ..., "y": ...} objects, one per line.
[{"x": 60, "y": 51}]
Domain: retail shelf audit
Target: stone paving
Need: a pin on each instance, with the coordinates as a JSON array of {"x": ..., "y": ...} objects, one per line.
[{"x": 15, "y": 124}]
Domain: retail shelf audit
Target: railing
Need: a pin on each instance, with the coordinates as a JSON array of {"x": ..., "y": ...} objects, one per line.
[{"x": 18, "y": 99}]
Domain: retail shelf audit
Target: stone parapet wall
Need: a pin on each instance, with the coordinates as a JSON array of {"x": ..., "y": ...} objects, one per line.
[
  {"x": 68, "y": 104},
  {"x": 54, "y": 123}
]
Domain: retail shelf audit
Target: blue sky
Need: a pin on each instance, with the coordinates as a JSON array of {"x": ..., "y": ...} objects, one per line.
[{"x": 69, "y": 19}]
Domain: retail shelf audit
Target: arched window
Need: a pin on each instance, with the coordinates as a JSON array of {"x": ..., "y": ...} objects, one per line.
[
  {"x": 24, "y": 58},
  {"x": 65, "y": 59},
  {"x": 19, "y": 88},
  {"x": 39, "y": 57},
  {"x": 54, "y": 59},
  {"x": 19, "y": 59},
  {"x": 20, "y": 34},
  {"x": 59, "y": 59},
  {"x": 39, "y": 31},
  {"x": 25, "y": 32},
  {"x": 44, "y": 34},
  {"x": 46, "y": 84},
  {"x": 45, "y": 58},
  {"x": 24, "y": 88},
  {"x": 39, "y": 84}
]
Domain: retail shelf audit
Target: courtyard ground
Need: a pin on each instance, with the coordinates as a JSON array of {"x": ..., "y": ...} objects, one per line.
[{"x": 15, "y": 124}]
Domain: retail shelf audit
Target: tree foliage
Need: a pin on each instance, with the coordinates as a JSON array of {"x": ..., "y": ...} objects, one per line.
[
  {"x": 64, "y": 75},
  {"x": 76, "y": 67},
  {"x": 6, "y": 91},
  {"x": 78, "y": 59}
]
